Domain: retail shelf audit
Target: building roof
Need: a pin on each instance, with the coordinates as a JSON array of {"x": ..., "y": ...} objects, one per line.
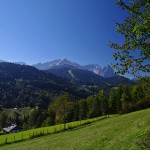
[{"x": 8, "y": 129}]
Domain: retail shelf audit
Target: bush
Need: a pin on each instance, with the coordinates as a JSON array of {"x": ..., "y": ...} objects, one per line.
[{"x": 143, "y": 103}]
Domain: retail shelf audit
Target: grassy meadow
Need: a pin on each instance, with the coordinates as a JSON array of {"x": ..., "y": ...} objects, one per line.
[
  {"x": 37, "y": 132},
  {"x": 122, "y": 132}
]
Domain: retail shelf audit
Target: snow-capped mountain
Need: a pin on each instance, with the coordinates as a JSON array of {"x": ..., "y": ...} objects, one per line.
[
  {"x": 93, "y": 67},
  {"x": 105, "y": 72},
  {"x": 55, "y": 63}
]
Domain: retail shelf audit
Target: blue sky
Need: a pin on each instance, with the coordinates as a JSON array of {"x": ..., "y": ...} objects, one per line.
[{"x": 43, "y": 30}]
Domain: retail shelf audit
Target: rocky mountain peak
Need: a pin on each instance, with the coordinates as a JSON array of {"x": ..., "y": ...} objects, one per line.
[
  {"x": 108, "y": 72},
  {"x": 95, "y": 68}
]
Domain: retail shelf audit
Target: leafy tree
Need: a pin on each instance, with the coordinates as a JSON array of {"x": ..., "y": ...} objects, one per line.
[
  {"x": 93, "y": 106},
  {"x": 76, "y": 111},
  {"x": 35, "y": 119},
  {"x": 137, "y": 93},
  {"x": 103, "y": 102},
  {"x": 62, "y": 106},
  {"x": 15, "y": 118},
  {"x": 51, "y": 116},
  {"x": 3, "y": 121},
  {"x": 117, "y": 97},
  {"x": 133, "y": 56},
  {"x": 83, "y": 109},
  {"x": 47, "y": 122},
  {"x": 145, "y": 86}
]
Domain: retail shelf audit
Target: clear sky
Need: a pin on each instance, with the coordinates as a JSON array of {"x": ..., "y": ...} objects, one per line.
[{"x": 43, "y": 30}]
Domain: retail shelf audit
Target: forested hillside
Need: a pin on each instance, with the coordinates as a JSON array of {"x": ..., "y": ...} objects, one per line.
[
  {"x": 53, "y": 100},
  {"x": 88, "y": 79},
  {"x": 22, "y": 86},
  {"x": 64, "y": 108}
]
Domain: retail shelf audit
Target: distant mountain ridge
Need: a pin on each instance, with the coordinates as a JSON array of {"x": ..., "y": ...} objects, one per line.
[
  {"x": 19, "y": 63},
  {"x": 107, "y": 71},
  {"x": 104, "y": 72},
  {"x": 1, "y": 60}
]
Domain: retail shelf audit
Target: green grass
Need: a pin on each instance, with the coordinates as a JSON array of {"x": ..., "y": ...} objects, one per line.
[
  {"x": 116, "y": 133},
  {"x": 34, "y": 133}
]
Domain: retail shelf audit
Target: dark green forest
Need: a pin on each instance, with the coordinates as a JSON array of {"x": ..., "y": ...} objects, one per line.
[
  {"x": 53, "y": 100},
  {"x": 22, "y": 86}
]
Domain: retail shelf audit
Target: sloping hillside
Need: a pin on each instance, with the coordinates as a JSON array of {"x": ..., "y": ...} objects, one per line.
[
  {"x": 78, "y": 76},
  {"x": 123, "y": 132},
  {"x": 22, "y": 86},
  {"x": 88, "y": 78}
]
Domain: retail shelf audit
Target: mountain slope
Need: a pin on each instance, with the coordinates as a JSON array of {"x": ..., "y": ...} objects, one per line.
[
  {"x": 77, "y": 76},
  {"x": 116, "y": 133},
  {"x": 88, "y": 78},
  {"x": 21, "y": 86},
  {"x": 105, "y": 72}
]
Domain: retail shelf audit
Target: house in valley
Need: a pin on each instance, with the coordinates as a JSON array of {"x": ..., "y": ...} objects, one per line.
[{"x": 10, "y": 129}]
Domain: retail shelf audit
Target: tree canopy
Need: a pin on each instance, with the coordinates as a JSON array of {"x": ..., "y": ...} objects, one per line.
[{"x": 133, "y": 56}]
